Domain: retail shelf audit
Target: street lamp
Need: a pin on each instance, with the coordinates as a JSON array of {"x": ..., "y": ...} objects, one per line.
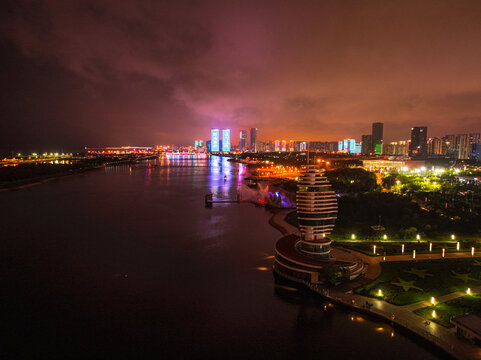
[
  {"x": 353, "y": 236},
  {"x": 374, "y": 249},
  {"x": 453, "y": 237},
  {"x": 472, "y": 251},
  {"x": 379, "y": 292},
  {"x": 434, "y": 313},
  {"x": 402, "y": 249},
  {"x": 468, "y": 291},
  {"x": 432, "y": 300},
  {"x": 430, "y": 247},
  {"x": 444, "y": 251},
  {"x": 385, "y": 236},
  {"x": 457, "y": 246},
  {"x": 414, "y": 254},
  {"x": 418, "y": 237}
]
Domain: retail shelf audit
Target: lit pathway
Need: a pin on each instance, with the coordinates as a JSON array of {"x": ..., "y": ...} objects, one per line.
[
  {"x": 444, "y": 338},
  {"x": 441, "y": 299}
]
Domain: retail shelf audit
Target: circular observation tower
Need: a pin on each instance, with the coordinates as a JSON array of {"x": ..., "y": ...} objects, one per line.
[{"x": 301, "y": 257}]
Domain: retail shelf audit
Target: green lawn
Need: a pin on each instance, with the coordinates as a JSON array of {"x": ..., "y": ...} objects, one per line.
[
  {"x": 395, "y": 248},
  {"x": 407, "y": 282},
  {"x": 444, "y": 311}
]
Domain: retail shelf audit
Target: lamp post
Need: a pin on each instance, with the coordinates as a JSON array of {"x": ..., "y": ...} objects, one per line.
[
  {"x": 472, "y": 251},
  {"x": 414, "y": 254},
  {"x": 402, "y": 249},
  {"x": 374, "y": 249},
  {"x": 430, "y": 247},
  {"x": 444, "y": 250},
  {"x": 457, "y": 246}
]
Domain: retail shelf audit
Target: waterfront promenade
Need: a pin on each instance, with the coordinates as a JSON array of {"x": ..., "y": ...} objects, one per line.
[{"x": 403, "y": 316}]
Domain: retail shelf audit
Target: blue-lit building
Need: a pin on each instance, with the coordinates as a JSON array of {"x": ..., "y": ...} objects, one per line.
[
  {"x": 226, "y": 140},
  {"x": 214, "y": 140}
]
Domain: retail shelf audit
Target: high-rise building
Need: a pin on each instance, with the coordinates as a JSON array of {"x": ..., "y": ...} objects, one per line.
[
  {"x": 436, "y": 146},
  {"x": 366, "y": 144},
  {"x": 291, "y": 145},
  {"x": 243, "y": 140},
  {"x": 464, "y": 146},
  {"x": 277, "y": 145},
  {"x": 198, "y": 143},
  {"x": 418, "y": 141},
  {"x": 214, "y": 140},
  {"x": 377, "y": 134},
  {"x": 283, "y": 145},
  {"x": 474, "y": 138},
  {"x": 253, "y": 147},
  {"x": 347, "y": 145},
  {"x": 226, "y": 140}
]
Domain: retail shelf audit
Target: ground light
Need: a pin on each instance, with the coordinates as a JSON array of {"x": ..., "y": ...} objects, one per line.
[
  {"x": 472, "y": 251},
  {"x": 379, "y": 292},
  {"x": 434, "y": 313},
  {"x": 414, "y": 254},
  {"x": 430, "y": 247},
  {"x": 418, "y": 236},
  {"x": 468, "y": 291},
  {"x": 385, "y": 236},
  {"x": 453, "y": 237},
  {"x": 353, "y": 236},
  {"x": 457, "y": 246},
  {"x": 444, "y": 250},
  {"x": 433, "y": 300},
  {"x": 402, "y": 249},
  {"x": 374, "y": 249}
]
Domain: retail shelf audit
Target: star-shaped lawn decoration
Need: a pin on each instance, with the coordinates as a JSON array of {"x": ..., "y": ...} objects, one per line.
[
  {"x": 477, "y": 263},
  {"x": 422, "y": 273},
  {"x": 464, "y": 277},
  {"x": 406, "y": 285}
]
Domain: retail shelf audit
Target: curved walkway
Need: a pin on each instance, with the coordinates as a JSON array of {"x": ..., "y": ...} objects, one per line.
[{"x": 404, "y": 316}]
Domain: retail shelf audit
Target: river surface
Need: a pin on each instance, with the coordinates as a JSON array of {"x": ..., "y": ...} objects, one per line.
[{"x": 127, "y": 262}]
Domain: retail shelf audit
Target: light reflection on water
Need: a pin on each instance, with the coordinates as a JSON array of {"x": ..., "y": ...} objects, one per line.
[{"x": 194, "y": 282}]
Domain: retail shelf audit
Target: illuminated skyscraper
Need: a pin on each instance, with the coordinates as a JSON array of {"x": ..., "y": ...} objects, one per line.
[
  {"x": 283, "y": 145},
  {"x": 243, "y": 140},
  {"x": 226, "y": 140},
  {"x": 277, "y": 145},
  {"x": 253, "y": 146},
  {"x": 418, "y": 144},
  {"x": 214, "y": 140},
  {"x": 377, "y": 134}
]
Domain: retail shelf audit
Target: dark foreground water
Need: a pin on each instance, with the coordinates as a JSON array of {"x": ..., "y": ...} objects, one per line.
[{"x": 127, "y": 262}]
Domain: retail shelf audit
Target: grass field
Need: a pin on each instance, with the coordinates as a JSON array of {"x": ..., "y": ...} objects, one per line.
[
  {"x": 407, "y": 282},
  {"x": 459, "y": 306}
]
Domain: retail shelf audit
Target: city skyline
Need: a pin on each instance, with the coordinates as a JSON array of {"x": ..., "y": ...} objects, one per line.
[{"x": 103, "y": 74}]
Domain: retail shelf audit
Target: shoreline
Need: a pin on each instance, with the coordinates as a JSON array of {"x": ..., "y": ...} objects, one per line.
[
  {"x": 26, "y": 183},
  {"x": 442, "y": 338}
]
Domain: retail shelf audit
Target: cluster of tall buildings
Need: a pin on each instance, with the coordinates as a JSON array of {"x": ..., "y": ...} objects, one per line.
[
  {"x": 224, "y": 144},
  {"x": 461, "y": 146}
]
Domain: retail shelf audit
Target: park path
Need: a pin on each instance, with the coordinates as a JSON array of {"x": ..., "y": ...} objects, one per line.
[
  {"x": 444, "y": 338},
  {"x": 441, "y": 299}
]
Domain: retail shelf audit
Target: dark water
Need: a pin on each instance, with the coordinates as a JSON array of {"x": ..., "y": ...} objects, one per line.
[{"x": 127, "y": 262}]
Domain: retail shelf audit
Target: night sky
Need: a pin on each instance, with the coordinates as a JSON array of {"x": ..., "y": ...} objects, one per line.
[{"x": 112, "y": 72}]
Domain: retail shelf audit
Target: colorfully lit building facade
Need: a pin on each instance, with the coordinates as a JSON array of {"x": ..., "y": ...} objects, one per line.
[
  {"x": 214, "y": 140},
  {"x": 243, "y": 140},
  {"x": 347, "y": 145},
  {"x": 277, "y": 145},
  {"x": 283, "y": 145},
  {"x": 226, "y": 140}
]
